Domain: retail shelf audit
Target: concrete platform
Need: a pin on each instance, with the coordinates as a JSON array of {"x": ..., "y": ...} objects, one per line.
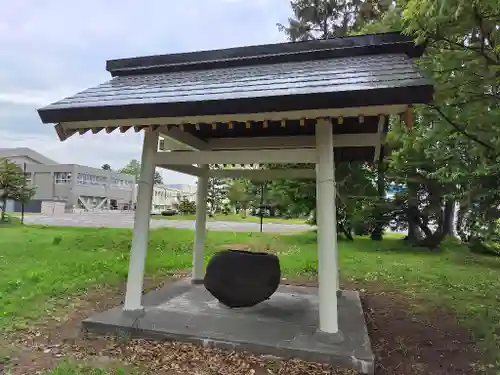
[{"x": 284, "y": 326}]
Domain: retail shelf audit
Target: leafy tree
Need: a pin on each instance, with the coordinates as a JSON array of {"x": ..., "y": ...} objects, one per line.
[
  {"x": 321, "y": 19},
  {"x": 157, "y": 179},
  {"x": 263, "y": 197},
  {"x": 295, "y": 197},
  {"x": 106, "y": 167},
  {"x": 134, "y": 168},
  {"x": 12, "y": 185},
  {"x": 355, "y": 192},
  {"x": 463, "y": 56},
  {"x": 451, "y": 155},
  {"x": 452, "y": 152},
  {"x": 185, "y": 206},
  {"x": 239, "y": 194},
  {"x": 217, "y": 191},
  {"x": 427, "y": 203}
]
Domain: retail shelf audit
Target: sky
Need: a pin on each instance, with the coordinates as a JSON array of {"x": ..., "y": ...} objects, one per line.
[{"x": 52, "y": 49}]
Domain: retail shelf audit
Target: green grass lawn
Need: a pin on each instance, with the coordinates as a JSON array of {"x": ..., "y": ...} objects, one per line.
[
  {"x": 41, "y": 266},
  {"x": 76, "y": 369},
  {"x": 235, "y": 217},
  {"x": 18, "y": 214}
]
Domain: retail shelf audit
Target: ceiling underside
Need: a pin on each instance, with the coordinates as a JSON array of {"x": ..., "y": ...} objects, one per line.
[
  {"x": 361, "y": 125},
  {"x": 348, "y": 125}
]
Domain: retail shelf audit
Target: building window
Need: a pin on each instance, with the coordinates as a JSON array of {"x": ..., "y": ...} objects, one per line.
[
  {"x": 101, "y": 180},
  {"x": 62, "y": 177},
  {"x": 121, "y": 184},
  {"x": 27, "y": 178},
  {"x": 81, "y": 179},
  {"x": 88, "y": 179}
]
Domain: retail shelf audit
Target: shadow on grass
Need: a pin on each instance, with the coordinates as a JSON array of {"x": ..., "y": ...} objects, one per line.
[
  {"x": 301, "y": 239},
  {"x": 397, "y": 244},
  {"x": 392, "y": 244},
  {"x": 479, "y": 260}
]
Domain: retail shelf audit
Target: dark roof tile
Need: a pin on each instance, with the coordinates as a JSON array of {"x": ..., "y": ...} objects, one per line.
[
  {"x": 356, "y": 45},
  {"x": 293, "y": 78}
]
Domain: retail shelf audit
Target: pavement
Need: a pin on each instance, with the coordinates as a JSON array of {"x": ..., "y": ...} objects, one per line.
[{"x": 126, "y": 220}]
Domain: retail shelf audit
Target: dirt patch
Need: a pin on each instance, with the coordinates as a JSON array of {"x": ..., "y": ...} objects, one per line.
[
  {"x": 171, "y": 358},
  {"x": 40, "y": 349},
  {"x": 409, "y": 342},
  {"x": 236, "y": 246},
  {"x": 404, "y": 342}
]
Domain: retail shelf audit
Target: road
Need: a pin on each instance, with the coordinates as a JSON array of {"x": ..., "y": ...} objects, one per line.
[{"x": 126, "y": 220}]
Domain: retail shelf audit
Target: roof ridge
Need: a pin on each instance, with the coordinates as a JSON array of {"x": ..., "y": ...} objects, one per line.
[
  {"x": 26, "y": 152},
  {"x": 393, "y": 42}
]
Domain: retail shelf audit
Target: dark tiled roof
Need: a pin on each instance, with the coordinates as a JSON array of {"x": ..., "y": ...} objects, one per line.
[
  {"x": 349, "y": 46},
  {"x": 334, "y": 82},
  {"x": 339, "y": 74}
]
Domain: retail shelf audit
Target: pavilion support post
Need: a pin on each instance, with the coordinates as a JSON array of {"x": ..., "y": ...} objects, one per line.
[
  {"x": 140, "y": 236},
  {"x": 198, "y": 272},
  {"x": 327, "y": 228}
]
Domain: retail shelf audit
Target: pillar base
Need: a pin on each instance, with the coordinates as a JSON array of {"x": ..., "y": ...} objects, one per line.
[
  {"x": 135, "y": 314},
  {"x": 197, "y": 281}
]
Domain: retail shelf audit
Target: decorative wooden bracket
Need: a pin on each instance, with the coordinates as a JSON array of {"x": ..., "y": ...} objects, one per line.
[{"x": 408, "y": 118}]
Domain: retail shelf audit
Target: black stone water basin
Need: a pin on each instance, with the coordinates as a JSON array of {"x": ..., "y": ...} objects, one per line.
[{"x": 239, "y": 278}]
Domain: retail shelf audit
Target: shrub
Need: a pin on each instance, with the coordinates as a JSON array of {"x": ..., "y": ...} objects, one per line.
[
  {"x": 169, "y": 213},
  {"x": 186, "y": 206}
]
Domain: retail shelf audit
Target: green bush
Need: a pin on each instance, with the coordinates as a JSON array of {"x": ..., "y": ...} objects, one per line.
[{"x": 187, "y": 207}]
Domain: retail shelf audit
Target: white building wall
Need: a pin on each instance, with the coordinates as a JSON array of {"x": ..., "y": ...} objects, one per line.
[
  {"x": 166, "y": 197},
  {"x": 9, "y": 205}
]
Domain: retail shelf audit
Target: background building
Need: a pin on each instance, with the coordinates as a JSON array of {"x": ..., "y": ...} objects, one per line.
[
  {"x": 85, "y": 188},
  {"x": 167, "y": 196},
  {"x": 80, "y": 187}
]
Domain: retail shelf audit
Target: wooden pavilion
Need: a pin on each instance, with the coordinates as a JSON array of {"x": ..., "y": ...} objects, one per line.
[{"x": 322, "y": 102}]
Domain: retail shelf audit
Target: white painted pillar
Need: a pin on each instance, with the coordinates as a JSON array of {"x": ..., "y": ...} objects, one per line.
[
  {"x": 327, "y": 228},
  {"x": 133, "y": 296},
  {"x": 200, "y": 227}
]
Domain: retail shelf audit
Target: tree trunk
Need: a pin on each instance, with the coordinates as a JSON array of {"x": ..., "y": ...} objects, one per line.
[
  {"x": 378, "y": 230},
  {"x": 346, "y": 232},
  {"x": 448, "y": 218},
  {"x": 415, "y": 224},
  {"x": 427, "y": 231},
  {"x": 414, "y": 232},
  {"x": 445, "y": 227},
  {"x": 4, "y": 206},
  {"x": 462, "y": 215},
  {"x": 413, "y": 215}
]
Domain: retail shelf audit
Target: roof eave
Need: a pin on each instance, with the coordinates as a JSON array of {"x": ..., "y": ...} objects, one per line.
[{"x": 417, "y": 94}]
